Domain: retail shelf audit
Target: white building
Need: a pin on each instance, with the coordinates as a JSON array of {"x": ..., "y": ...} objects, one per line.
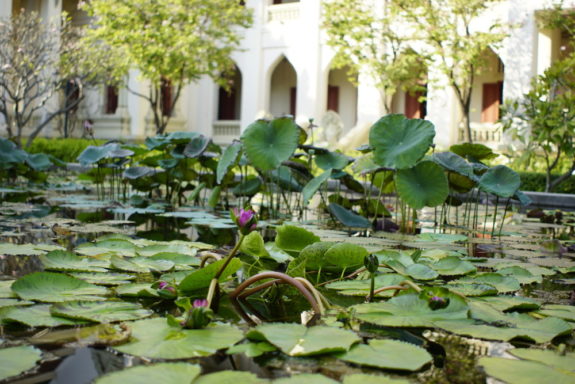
[{"x": 284, "y": 67}]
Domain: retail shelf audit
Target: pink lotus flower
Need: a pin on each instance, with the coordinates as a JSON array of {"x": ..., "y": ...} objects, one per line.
[
  {"x": 200, "y": 303},
  {"x": 245, "y": 219}
]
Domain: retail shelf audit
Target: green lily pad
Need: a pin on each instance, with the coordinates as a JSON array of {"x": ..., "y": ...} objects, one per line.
[
  {"x": 522, "y": 275},
  {"x": 453, "y": 266},
  {"x": 565, "y": 312},
  {"x": 362, "y": 287},
  {"x": 165, "y": 373},
  {"x": 344, "y": 255},
  {"x": 472, "y": 289},
  {"x": 181, "y": 261},
  {"x": 201, "y": 278},
  {"x": 299, "y": 340},
  {"x": 14, "y": 303},
  {"x": 510, "y": 303},
  {"x": 410, "y": 310},
  {"x": 35, "y": 316},
  {"x": 234, "y": 377},
  {"x": 15, "y": 360},
  {"x": 564, "y": 362},
  {"x": 6, "y": 289},
  {"x": 137, "y": 290},
  {"x": 140, "y": 264},
  {"x": 500, "y": 180},
  {"x": 362, "y": 378},
  {"x": 108, "y": 279},
  {"x": 293, "y": 239},
  {"x": 154, "y": 338},
  {"x": 503, "y": 284},
  {"x": 524, "y": 372},
  {"x": 19, "y": 249},
  {"x": 54, "y": 287},
  {"x": 307, "y": 378},
  {"x": 67, "y": 261},
  {"x": 399, "y": 142},
  {"x": 388, "y": 354},
  {"x": 252, "y": 349},
  {"x": 347, "y": 217},
  {"x": 100, "y": 312},
  {"x": 424, "y": 185},
  {"x": 441, "y": 237}
]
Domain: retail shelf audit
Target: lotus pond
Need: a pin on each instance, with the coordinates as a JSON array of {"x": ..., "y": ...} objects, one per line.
[{"x": 134, "y": 270}]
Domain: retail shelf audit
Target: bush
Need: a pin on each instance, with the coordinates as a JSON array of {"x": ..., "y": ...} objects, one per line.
[
  {"x": 64, "y": 149},
  {"x": 533, "y": 181}
]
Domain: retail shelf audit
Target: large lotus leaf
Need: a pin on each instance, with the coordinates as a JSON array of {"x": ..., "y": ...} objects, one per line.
[
  {"x": 313, "y": 255},
  {"x": 35, "y": 316},
  {"x": 399, "y": 142},
  {"x": 472, "y": 289},
  {"x": 388, "y": 354},
  {"x": 348, "y": 218},
  {"x": 362, "y": 378},
  {"x": 410, "y": 310},
  {"x": 100, "y": 312},
  {"x": 196, "y": 146},
  {"x": 293, "y": 239},
  {"x": 165, "y": 373},
  {"x": 115, "y": 245},
  {"x": 249, "y": 187},
  {"x": 510, "y": 303},
  {"x": 181, "y": 261},
  {"x": 19, "y": 249},
  {"x": 416, "y": 271},
  {"x": 362, "y": 287},
  {"x": 284, "y": 177},
  {"x": 307, "y": 378},
  {"x": 229, "y": 158},
  {"x": 253, "y": 245},
  {"x": 154, "y": 338},
  {"x": 453, "y": 163},
  {"x": 105, "y": 278},
  {"x": 500, "y": 180},
  {"x": 446, "y": 238},
  {"x": 39, "y": 161},
  {"x": 521, "y": 274},
  {"x": 140, "y": 264},
  {"x": 565, "y": 362},
  {"x": 453, "y": 266},
  {"x": 201, "y": 278},
  {"x": 55, "y": 287},
  {"x": 16, "y": 360},
  {"x": 92, "y": 154},
  {"x": 331, "y": 160},
  {"x": 268, "y": 143},
  {"x": 473, "y": 152},
  {"x": 424, "y": 185},
  {"x": 299, "y": 340},
  {"x": 230, "y": 377},
  {"x": 134, "y": 173},
  {"x": 251, "y": 349},
  {"x": 313, "y": 186},
  {"x": 184, "y": 247},
  {"x": 503, "y": 284},
  {"x": 67, "y": 261},
  {"x": 566, "y": 312},
  {"x": 14, "y": 303},
  {"x": 521, "y": 326},
  {"x": 524, "y": 372},
  {"x": 6, "y": 289},
  {"x": 137, "y": 290},
  {"x": 345, "y": 255}
]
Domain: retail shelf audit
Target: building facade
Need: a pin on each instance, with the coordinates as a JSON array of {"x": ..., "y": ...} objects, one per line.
[{"x": 285, "y": 67}]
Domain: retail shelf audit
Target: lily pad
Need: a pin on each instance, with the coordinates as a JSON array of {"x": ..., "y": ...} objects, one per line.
[
  {"x": 235, "y": 377},
  {"x": 201, "y": 278},
  {"x": 362, "y": 287},
  {"x": 307, "y": 378},
  {"x": 100, "y": 312},
  {"x": 388, "y": 354},
  {"x": 15, "y": 360},
  {"x": 35, "y": 316},
  {"x": 55, "y": 287},
  {"x": 564, "y": 362},
  {"x": 362, "y": 378},
  {"x": 252, "y": 349},
  {"x": 348, "y": 218},
  {"x": 154, "y": 338},
  {"x": 565, "y": 312},
  {"x": 67, "y": 261},
  {"x": 293, "y": 239},
  {"x": 503, "y": 284},
  {"x": 299, "y": 340},
  {"x": 524, "y": 372},
  {"x": 137, "y": 290},
  {"x": 14, "y": 303},
  {"x": 453, "y": 266},
  {"x": 140, "y": 264},
  {"x": 108, "y": 279},
  {"x": 500, "y": 180},
  {"x": 166, "y": 373}
]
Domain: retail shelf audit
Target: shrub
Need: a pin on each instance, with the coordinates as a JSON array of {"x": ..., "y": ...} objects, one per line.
[
  {"x": 533, "y": 181},
  {"x": 64, "y": 149}
]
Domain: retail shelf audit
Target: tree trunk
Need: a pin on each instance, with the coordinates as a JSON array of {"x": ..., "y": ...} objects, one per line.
[
  {"x": 550, "y": 185},
  {"x": 465, "y": 121}
]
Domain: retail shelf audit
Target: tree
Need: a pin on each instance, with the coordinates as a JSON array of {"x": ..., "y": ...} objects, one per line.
[
  {"x": 367, "y": 41},
  {"x": 39, "y": 62},
  {"x": 170, "y": 42},
  {"x": 446, "y": 29},
  {"x": 544, "y": 119}
]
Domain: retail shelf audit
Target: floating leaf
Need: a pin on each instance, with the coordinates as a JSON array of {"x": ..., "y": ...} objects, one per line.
[
  {"x": 67, "y": 261},
  {"x": 14, "y": 303},
  {"x": 165, "y": 373},
  {"x": 299, "y": 340},
  {"x": 307, "y": 378},
  {"x": 399, "y": 142},
  {"x": 503, "y": 284},
  {"x": 137, "y": 290},
  {"x": 565, "y": 312},
  {"x": 100, "y": 312},
  {"x": 453, "y": 266},
  {"x": 362, "y": 378},
  {"x": 54, "y": 287},
  {"x": 140, "y": 264},
  {"x": 521, "y": 274},
  {"x": 154, "y": 338},
  {"x": 524, "y": 372},
  {"x": 201, "y": 278},
  {"x": 235, "y": 377},
  {"x": 35, "y": 316},
  {"x": 362, "y": 287},
  {"x": 15, "y": 360},
  {"x": 388, "y": 354},
  {"x": 441, "y": 237},
  {"x": 252, "y": 349},
  {"x": 564, "y": 362}
]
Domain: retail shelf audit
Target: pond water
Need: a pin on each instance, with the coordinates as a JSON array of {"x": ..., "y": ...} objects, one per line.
[{"x": 115, "y": 247}]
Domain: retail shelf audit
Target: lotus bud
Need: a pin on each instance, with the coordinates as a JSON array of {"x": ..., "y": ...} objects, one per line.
[
  {"x": 438, "y": 302},
  {"x": 245, "y": 219},
  {"x": 166, "y": 290},
  {"x": 371, "y": 263},
  {"x": 199, "y": 316}
]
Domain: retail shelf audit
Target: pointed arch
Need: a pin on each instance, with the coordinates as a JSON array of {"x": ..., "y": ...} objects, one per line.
[
  {"x": 230, "y": 100},
  {"x": 282, "y": 88}
]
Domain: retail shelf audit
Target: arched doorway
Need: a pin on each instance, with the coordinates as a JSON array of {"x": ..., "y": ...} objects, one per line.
[
  {"x": 342, "y": 96},
  {"x": 283, "y": 89},
  {"x": 230, "y": 100}
]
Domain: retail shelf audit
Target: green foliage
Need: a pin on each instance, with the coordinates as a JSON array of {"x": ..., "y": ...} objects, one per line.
[
  {"x": 171, "y": 42},
  {"x": 533, "y": 181}
]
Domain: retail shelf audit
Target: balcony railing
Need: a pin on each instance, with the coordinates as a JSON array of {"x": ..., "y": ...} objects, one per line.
[
  {"x": 484, "y": 133},
  {"x": 224, "y": 131},
  {"x": 283, "y": 12}
]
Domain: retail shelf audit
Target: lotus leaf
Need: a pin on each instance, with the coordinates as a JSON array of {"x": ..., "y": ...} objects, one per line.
[
  {"x": 510, "y": 303},
  {"x": 453, "y": 266},
  {"x": 473, "y": 152},
  {"x": 54, "y": 287},
  {"x": 6, "y": 289},
  {"x": 14, "y": 303},
  {"x": 565, "y": 362},
  {"x": 67, "y": 261},
  {"x": 229, "y": 158},
  {"x": 362, "y": 287},
  {"x": 100, "y": 312},
  {"x": 35, "y": 316},
  {"x": 252, "y": 349},
  {"x": 16, "y": 360},
  {"x": 39, "y": 161},
  {"x": 524, "y": 372},
  {"x": 201, "y": 278},
  {"x": 137, "y": 290},
  {"x": 388, "y": 354},
  {"x": 565, "y": 312},
  {"x": 410, "y": 310},
  {"x": 348, "y": 218},
  {"x": 472, "y": 289},
  {"x": 104, "y": 278},
  {"x": 140, "y": 264},
  {"x": 331, "y": 160},
  {"x": 442, "y": 237},
  {"x": 524, "y": 276},
  {"x": 268, "y": 143},
  {"x": 154, "y": 338},
  {"x": 293, "y": 239},
  {"x": 399, "y": 142},
  {"x": 253, "y": 245},
  {"x": 503, "y": 284},
  {"x": 362, "y": 378},
  {"x": 313, "y": 186},
  {"x": 453, "y": 163},
  {"x": 165, "y": 373},
  {"x": 232, "y": 377},
  {"x": 299, "y": 340},
  {"x": 286, "y": 179},
  {"x": 424, "y": 185},
  {"x": 19, "y": 249},
  {"x": 197, "y": 146},
  {"x": 308, "y": 378},
  {"x": 501, "y": 181}
]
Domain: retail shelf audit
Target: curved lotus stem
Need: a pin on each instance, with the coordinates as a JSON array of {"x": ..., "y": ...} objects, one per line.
[
  {"x": 321, "y": 300},
  {"x": 206, "y": 257},
  {"x": 405, "y": 284},
  {"x": 241, "y": 292}
]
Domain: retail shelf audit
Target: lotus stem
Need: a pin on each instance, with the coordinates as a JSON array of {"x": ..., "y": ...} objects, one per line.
[
  {"x": 321, "y": 300},
  {"x": 206, "y": 257},
  {"x": 495, "y": 216},
  {"x": 389, "y": 288},
  {"x": 504, "y": 214},
  {"x": 214, "y": 282}
]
